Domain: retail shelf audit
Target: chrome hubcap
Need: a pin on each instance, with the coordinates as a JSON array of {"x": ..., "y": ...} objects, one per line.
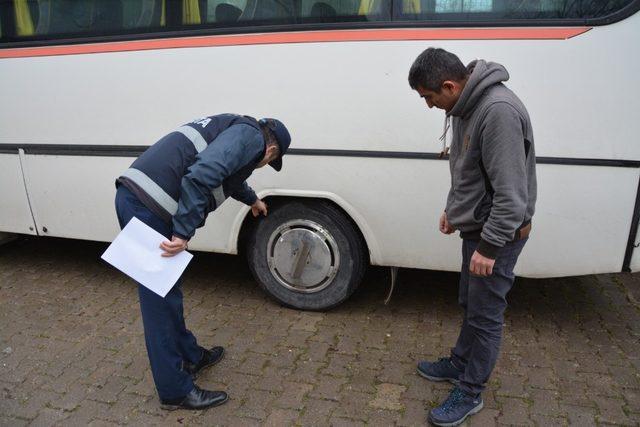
[{"x": 303, "y": 256}]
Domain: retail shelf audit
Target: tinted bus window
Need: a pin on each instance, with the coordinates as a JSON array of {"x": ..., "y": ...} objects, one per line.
[
  {"x": 35, "y": 20},
  {"x": 244, "y": 12},
  {"x": 240, "y": 13},
  {"x": 38, "y": 19},
  {"x": 62, "y": 19},
  {"x": 496, "y": 10},
  {"x": 345, "y": 10}
]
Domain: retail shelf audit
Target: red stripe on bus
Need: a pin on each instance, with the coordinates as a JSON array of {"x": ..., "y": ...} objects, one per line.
[{"x": 303, "y": 37}]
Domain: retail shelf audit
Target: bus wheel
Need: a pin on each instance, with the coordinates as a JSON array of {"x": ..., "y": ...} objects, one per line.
[{"x": 307, "y": 255}]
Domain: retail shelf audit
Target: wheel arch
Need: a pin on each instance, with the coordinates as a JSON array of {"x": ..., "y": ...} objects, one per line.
[{"x": 244, "y": 222}]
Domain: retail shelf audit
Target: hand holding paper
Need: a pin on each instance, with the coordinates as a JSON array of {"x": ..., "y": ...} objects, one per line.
[
  {"x": 173, "y": 247},
  {"x": 136, "y": 252}
]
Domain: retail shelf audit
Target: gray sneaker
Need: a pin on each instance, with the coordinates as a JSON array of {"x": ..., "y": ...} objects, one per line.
[
  {"x": 453, "y": 411},
  {"x": 442, "y": 370}
]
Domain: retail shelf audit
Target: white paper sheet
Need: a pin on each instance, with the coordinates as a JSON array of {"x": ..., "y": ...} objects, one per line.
[{"x": 136, "y": 252}]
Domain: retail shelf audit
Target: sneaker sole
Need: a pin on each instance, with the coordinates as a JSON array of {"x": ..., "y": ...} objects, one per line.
[
  {"x": 194, "y": 376},
  {"x": 438, "y": 379},
  {"x": 175, "y": 407},
  {"x": 461, "y": 420}
]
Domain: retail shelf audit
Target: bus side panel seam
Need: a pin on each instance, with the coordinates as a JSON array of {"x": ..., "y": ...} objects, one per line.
[{"x": 23, "y": 161}]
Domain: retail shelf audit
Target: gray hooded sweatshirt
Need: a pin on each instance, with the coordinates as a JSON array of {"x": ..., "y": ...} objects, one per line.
[{"x": 492, "y": 161}]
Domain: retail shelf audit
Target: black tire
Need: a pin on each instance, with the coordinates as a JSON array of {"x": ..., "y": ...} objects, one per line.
[{"x": 350, "y": 246}]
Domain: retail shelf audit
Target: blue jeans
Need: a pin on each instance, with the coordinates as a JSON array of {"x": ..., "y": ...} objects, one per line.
[
  {"x": 483, "y": 300},
  {"x": 168, "y": 341}
]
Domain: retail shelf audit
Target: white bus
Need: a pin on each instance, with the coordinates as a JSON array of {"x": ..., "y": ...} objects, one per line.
[{"x": 87, "y": 85}]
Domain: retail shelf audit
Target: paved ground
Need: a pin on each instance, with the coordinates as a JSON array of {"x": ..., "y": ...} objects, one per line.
[{"x": 72, "y": 350}]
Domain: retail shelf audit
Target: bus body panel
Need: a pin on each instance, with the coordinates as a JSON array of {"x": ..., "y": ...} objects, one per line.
[
  {"x": 582, "y": 221},
  {"x": 134, "y": 98},
  {"x": 580, "y": 227},
  {"x": 73, "y": 196},
  {"x": 15, "y": 213},
  {"x": 581, "y": 94}
]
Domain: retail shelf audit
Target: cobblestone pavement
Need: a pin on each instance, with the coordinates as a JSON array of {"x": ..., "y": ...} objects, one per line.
[{"x": 72, "y": 349}]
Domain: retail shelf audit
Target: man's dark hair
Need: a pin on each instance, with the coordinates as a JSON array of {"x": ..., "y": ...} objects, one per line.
[
  {"x": 270, "y": 137},
  {"x": 433, "y": 67}
]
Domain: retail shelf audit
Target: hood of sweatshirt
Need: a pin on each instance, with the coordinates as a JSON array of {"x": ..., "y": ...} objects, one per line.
[{"x": 482, "y": 75}]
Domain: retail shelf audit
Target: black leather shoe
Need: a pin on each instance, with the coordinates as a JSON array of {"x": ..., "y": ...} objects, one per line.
[
  {"x": 209, "y": 357},
  {"x": 196, "y": 399}
]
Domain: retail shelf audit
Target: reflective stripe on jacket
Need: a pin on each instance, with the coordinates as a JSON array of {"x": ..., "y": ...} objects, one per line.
[{"x": 190, "y": 172}]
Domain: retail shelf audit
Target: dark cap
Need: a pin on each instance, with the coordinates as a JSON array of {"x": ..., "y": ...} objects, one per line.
[{"x": 282, "y": 138}]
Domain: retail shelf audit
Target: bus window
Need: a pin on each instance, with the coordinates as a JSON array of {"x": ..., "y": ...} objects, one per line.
[
  {"x": 38, "y": 19},
  {"x": 249, "y": 12},
  {"x": 143, "y": 14},
  {"x": 344, "y": 10},
  {"x": 453, "y": 6},
  {"x": 239, "y": 13},
  {"x": 269, "y": 10},
  {"x": 73, "y": 17},
  {"x": 191, "y": 12},
  {"x": 24, "y": 22},
  {"x": 224, "y": 11},
  {"x": 495, "y": 10}
]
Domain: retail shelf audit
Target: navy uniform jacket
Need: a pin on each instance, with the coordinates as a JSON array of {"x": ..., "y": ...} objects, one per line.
[{"x": 190, "y": 172}]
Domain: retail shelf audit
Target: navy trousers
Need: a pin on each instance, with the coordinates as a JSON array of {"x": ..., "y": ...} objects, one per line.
[
  {"x": 169, "y": 342},
  {"x": 484, "y": 300}
]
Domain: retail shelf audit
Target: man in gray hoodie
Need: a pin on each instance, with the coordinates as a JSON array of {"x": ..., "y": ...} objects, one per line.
[{"x": 491, "y": 202}]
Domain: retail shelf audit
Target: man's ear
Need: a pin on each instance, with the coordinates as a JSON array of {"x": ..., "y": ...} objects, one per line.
[
  {"x": 272, "y": 150},
  {"x": 449, "y": 86}
]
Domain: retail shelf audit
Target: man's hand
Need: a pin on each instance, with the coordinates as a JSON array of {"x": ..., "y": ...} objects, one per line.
[
  {"x": 259, "y": 207},
  {"x": 173, "y": 247},
  {"x": 481, "y": 265},
  {"x": 445, "y": 227}
]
